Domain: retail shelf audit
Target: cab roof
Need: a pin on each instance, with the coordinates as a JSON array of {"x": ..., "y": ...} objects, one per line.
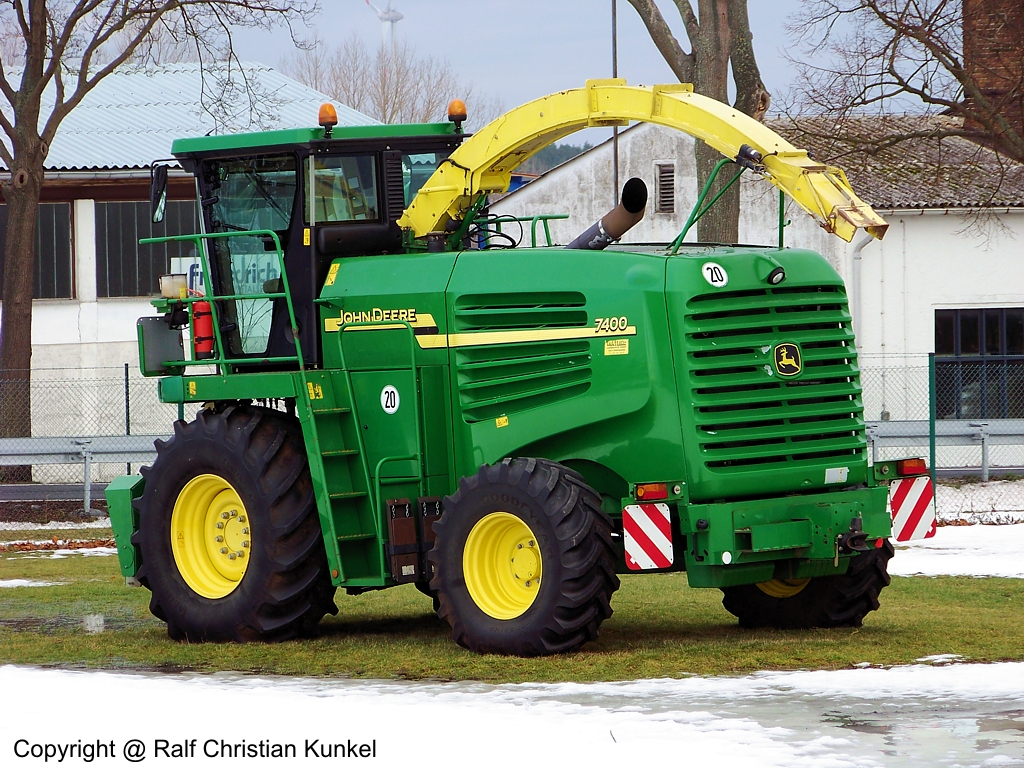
[{"x": 293, "y": 136}]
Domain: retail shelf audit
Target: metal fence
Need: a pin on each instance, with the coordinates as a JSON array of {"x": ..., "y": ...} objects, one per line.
[
  {"x": 93, "y": 402},
  {"x": 966, "y": 414}
]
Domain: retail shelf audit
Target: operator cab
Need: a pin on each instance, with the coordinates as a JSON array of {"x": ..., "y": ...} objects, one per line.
[{"x": 325, "y": 192}]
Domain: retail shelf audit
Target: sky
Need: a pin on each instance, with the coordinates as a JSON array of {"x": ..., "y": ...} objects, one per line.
[{"x": 524, "y": 49}]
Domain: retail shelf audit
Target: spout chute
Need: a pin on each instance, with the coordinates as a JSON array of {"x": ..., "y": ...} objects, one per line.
[{"x": 485, "y": 161}]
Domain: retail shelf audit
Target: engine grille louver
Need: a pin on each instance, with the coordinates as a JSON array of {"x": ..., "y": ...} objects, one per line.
[
  {"x": 500, "y": 379},
  {"x": 749, "y": 419}
]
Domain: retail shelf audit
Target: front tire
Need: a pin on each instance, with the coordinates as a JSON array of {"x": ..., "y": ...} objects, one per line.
[
  {"x": 827, "y": 601},
  {"x": 524, "y": 561},
  {"x": 229, "y": 535}
]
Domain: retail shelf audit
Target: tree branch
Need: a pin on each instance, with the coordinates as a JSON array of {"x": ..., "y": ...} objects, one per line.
[
  {"x": 680, "y": 62},
  {"x": 752, "y": 98}
]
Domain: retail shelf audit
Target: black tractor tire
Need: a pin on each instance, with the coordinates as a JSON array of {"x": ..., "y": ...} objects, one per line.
[
  {"x": 574, "y": 539},
  {"x": 286, "y": 587},
  {"x": 425, "y": 589},
  {"x": 827, "y": 601}
]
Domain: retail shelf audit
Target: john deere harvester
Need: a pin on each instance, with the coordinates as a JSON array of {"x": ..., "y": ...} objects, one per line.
[{"x": 378, "y": 395}]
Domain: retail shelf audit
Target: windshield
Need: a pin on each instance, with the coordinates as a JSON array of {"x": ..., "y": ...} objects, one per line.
[{"x": 247, "y": 194}]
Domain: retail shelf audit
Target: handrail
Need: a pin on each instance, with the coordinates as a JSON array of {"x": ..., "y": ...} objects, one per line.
[
  {"x": 212, "y": 298},
  {"x": 389, "y": 326}
]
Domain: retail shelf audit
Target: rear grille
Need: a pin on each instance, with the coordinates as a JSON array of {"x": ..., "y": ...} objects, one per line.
[{"x": 747, "y": 419}]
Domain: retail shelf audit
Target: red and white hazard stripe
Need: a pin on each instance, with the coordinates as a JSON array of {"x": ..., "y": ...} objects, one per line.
[
  {"x": 648, "y": 536},
  {"x": 913, "y": 514}
]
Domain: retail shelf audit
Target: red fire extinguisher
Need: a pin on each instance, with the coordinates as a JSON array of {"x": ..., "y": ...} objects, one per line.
[{"x": 202, "y": 330}]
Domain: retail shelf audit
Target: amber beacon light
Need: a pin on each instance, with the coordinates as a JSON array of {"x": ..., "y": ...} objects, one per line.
[
  {"x": 457, "y": 113},
  {"x": 328, "y": 118}
]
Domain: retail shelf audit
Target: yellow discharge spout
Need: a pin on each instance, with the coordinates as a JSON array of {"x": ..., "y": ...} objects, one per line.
[{"x": 484, "y": 162}]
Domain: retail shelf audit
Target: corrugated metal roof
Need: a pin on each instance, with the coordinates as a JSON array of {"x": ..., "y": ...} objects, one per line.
[
  {"x": 930, "y": 170},
  {"x": 133, "y": 115}
]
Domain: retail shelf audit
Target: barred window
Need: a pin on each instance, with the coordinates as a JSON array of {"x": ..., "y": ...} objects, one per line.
[
  {"x": 665, "y": 197},
  {"x": 125, "y": 268},
  {"x": 979, "y": 363},
  {"x": 54, "y": 271}
]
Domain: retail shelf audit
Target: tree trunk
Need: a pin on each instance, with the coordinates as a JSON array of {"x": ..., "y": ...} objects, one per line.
[
  {"x": 22, "y": 197},
  {"x": 711, "y": 51}
]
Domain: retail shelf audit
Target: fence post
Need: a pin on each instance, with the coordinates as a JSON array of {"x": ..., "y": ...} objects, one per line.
[
  {"x": 932, "y": 411},
  {"x": 127, "y": 413}
]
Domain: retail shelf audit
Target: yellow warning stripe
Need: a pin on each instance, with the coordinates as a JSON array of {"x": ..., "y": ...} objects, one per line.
[{"x": 480, "y": 338}]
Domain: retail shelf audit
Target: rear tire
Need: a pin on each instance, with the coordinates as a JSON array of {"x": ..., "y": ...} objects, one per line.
[
  {"x": 827, "y": 601},
  {"x": 254, "y": 462},
  {"x": 524, "y": 561}
]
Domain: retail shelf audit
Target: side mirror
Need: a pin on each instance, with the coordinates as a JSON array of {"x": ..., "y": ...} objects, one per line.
[{"x": 157, "y": 192}]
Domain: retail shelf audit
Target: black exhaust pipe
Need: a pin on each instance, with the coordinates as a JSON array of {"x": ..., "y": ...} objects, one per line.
[{"x": 618, "y": 221}]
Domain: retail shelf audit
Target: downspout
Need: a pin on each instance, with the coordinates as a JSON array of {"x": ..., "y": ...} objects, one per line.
[{"x": 865, "y": 238}]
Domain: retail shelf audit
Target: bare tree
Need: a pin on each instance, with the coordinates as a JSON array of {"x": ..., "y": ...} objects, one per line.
[
  {"x": 52, "y": 54},
  {"x": 719, "y": 37},
  {"x": 393, "y": 86},
  {"x": 961, "y": 59}
]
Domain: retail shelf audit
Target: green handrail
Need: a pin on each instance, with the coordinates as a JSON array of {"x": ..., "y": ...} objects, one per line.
[
  {"x": 389, "y": 326},
  {"x": 212, "y": 298},
  {"x": 697, "y": 212}
]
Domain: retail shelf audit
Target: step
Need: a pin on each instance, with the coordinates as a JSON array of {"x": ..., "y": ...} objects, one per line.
[
  {"x": 347, "y": 495},
  {"x": 357, "y": 537},
  {"x": 341, "y": 452}
]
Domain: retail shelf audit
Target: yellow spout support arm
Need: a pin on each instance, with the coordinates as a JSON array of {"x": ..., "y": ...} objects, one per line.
[{"x": 485, "y": 161}]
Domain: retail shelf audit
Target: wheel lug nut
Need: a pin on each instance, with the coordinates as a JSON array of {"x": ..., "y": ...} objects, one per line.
[
  {"x": 231, "y": 556},
  {"x": 220, "y": 525},
  {"x": 241, "y": 518},
  {"x": 519, "y": 546},
  {"x": 245, "y": 531},
  {"x": 223, "y": 550},
  {"x": 234, "y": 513},
  {"x": 527, "y": 583},
  {"x": 530, "y": 543},
  {"x": 224, "y": 515},
  {"x": 240, "y": 553},
  {"x": 245, "y": 544},
  {"x": 219, "y": 539}
]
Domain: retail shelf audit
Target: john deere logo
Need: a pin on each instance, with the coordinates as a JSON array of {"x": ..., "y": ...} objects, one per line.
[{"x": 787, "y": 359}]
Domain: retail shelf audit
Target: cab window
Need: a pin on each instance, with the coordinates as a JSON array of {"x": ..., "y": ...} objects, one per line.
[{"x": 343, "y": 189}]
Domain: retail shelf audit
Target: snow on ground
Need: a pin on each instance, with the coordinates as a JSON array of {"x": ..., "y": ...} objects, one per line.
[
  {"x": 59, "y": 554},
  {"x": 12, "y": 583},
  {"x": 67, "y": 525},
  {"x": 960, "y": 714},
  {"x": 970, "y": 550},
  {"x": 999, "y": 501}
]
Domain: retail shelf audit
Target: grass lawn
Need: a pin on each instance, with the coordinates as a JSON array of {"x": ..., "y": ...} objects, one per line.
[{"x": 661, "y": 628}]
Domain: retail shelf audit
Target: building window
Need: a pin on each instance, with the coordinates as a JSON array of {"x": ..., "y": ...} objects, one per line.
[
  {"x": 979, "y": 363},
  {"x": 665, "y": 198},
  {"x": 54, "y": 272},
  {"x": 125, "y": 268}
]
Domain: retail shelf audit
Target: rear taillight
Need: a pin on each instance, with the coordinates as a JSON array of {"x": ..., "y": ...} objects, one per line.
[
  {"x": 651, "y": 491},
  {"x": 907, "y": 467}
]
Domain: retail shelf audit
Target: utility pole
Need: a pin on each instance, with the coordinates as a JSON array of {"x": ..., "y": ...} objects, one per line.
[{"x": 615, "y": 128}]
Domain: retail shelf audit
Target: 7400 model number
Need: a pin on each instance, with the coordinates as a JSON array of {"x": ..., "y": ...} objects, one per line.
[{"x": 610, "y": 324}]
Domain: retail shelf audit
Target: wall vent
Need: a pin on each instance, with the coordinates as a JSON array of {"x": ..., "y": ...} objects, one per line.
[{"x": 665, "y": 199}]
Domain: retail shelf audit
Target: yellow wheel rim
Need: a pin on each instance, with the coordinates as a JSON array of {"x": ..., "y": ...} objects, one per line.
[
  {"x": 783, "y": 587},
  {"x": 502, "y": 565},
  {"x": 210, "y": 537}
]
